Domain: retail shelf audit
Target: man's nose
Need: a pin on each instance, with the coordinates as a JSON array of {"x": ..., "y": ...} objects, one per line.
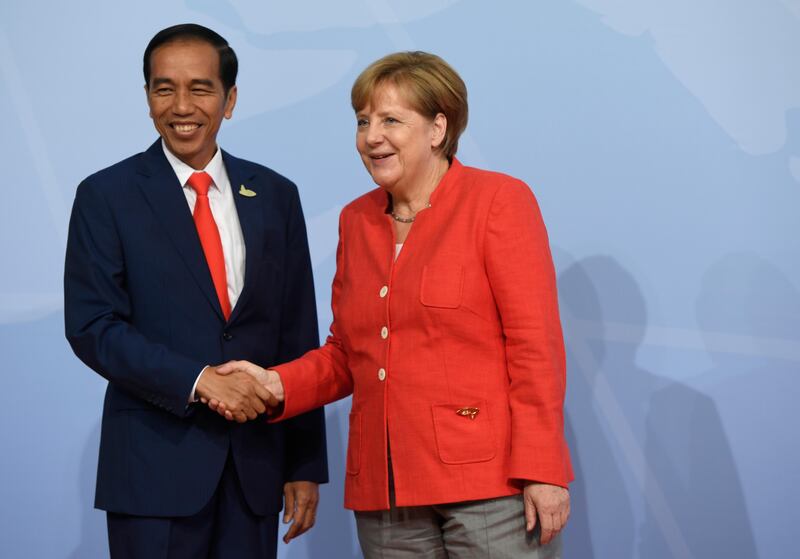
[{"x": 182, "y": 103}]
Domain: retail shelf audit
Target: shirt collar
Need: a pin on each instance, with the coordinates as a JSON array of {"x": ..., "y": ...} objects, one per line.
[{"x": 215, "y": 168}]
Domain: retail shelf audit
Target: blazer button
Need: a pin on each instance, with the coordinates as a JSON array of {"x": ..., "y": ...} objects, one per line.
[
  {"x": 384, "y": 290},
  {"x": 381, "y": 374},
  {"x": 227, "y": 336},
  {"x": 384, "y": 332}
]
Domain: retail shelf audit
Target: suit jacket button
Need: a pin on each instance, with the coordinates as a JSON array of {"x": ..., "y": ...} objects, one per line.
[{"x": 227, "y": 336}]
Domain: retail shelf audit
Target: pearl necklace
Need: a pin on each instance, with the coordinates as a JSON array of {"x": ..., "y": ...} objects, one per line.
[{"x": 411, "y": 219}]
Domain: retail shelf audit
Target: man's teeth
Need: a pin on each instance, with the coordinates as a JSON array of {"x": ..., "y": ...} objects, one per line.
[{"x": 185, "y": 127}]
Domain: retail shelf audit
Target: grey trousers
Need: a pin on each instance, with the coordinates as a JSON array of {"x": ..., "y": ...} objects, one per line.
[{"x": 491, "y": 528}]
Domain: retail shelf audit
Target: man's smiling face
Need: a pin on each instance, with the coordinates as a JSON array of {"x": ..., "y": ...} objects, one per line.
[{"x": 187, "y": 99}]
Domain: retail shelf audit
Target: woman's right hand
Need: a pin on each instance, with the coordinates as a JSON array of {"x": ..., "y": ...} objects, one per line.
[{"x": 269, "y": 378}]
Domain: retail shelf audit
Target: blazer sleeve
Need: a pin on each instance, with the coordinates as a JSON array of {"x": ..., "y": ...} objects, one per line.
[
  {"x": 306, "y": 450},
  {"x": 97, "y": 311},
  {"x": 522, "y": 278},
  {"x": 321, "y": 376}
]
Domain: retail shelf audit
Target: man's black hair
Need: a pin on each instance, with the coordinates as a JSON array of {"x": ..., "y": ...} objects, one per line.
[{"x": 228, "y": 63}]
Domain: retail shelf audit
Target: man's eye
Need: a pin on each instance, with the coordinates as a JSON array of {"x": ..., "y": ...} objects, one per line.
[
  {"x": 163, "y": 91},
  {"x": 200, "y": 91}
]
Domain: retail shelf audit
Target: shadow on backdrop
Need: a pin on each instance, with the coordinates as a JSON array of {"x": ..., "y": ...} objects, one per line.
[
  {"x": 602, "y": 518},
  {"x": 692, "y": 463},
  {"x": 674, "y": 457},
  {"x": 748, "y": 311},
  {"x": 577, "y": 535},
  {"x": 687, "y": 445}
]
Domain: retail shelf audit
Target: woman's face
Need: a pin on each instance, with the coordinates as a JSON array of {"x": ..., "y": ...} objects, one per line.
[{"x": 397, "y": 144}]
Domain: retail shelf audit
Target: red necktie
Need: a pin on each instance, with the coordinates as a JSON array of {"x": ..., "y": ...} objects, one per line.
[{"x": 209, "y": 239}]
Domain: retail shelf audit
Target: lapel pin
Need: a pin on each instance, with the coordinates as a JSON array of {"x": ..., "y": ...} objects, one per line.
[{"x": 246, "y": 191}]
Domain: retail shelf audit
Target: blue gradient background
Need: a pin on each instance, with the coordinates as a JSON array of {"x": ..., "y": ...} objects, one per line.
[{"x": 662, "y": 139}]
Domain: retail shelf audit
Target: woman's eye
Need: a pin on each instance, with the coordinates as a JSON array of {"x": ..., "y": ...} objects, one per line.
[
  {"x": 390, "y": 120},
  {"x": 361, "y": 122}
]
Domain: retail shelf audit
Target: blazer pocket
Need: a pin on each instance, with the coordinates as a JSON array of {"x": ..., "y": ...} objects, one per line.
[
  {"x": 354, "y": 445},
  {"x": 441, "y": 286},
  {"x": 463, "y": 435}
]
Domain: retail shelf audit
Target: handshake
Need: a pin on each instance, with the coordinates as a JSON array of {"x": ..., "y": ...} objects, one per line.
[{"x": 239, "y": 390}]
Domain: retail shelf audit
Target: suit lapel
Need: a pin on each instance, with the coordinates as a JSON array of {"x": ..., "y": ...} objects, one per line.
[
  {"x": 165, "y": 195},
  {"x": 251, "y": 218}
]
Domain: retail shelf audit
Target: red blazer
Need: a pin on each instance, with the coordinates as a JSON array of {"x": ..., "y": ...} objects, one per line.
[{"x": 454, "y": 349}]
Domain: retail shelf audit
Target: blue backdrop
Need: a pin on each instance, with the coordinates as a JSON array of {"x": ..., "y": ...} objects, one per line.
[{"x": 661, "y": 138}]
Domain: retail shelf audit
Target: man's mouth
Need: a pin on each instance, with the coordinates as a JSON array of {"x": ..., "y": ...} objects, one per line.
[{"x": 185, "y": 128}]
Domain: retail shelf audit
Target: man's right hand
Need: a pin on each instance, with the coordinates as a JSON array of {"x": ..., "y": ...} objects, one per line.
[
  {"x": 245, "y": 398},
  {"x": 267, "y": 378}
]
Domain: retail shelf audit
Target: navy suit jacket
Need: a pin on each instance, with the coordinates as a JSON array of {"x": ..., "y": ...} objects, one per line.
[{"x": 141, "y": 310}]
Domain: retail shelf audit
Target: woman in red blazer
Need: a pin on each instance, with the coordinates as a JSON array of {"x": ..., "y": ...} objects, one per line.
[{"x": 446, "y": 332}]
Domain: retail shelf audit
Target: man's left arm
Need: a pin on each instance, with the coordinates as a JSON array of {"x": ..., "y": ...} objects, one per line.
[{"x": 306, "y": 451}]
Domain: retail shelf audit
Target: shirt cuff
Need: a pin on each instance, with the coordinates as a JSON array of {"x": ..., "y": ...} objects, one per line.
[{"x": 192, "y": 396}]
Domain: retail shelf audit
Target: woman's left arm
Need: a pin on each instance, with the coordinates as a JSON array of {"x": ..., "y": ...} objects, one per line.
[{"x": 523, "y": 281}]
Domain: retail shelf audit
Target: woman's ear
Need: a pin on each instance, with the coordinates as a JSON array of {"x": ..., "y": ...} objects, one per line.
[{"x": 439, "y": 130}]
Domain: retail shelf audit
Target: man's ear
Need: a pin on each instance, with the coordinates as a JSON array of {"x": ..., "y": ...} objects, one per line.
[
  {"x": 147, "y": 97},
  {"x": 230, "y": 102}
]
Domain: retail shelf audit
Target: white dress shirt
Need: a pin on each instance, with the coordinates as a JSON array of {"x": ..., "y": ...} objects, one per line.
[{"x": 223, "y": 208}]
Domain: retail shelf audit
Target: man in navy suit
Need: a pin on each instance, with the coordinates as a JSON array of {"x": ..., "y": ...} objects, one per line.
[{"x": 180, "y": 258}]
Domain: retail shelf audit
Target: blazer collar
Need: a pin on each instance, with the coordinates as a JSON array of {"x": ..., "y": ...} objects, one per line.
[
  {"x": 251, "y": 218},
  {"x": 165, "y": 195},
  {"x": 445, "y": 184}
]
